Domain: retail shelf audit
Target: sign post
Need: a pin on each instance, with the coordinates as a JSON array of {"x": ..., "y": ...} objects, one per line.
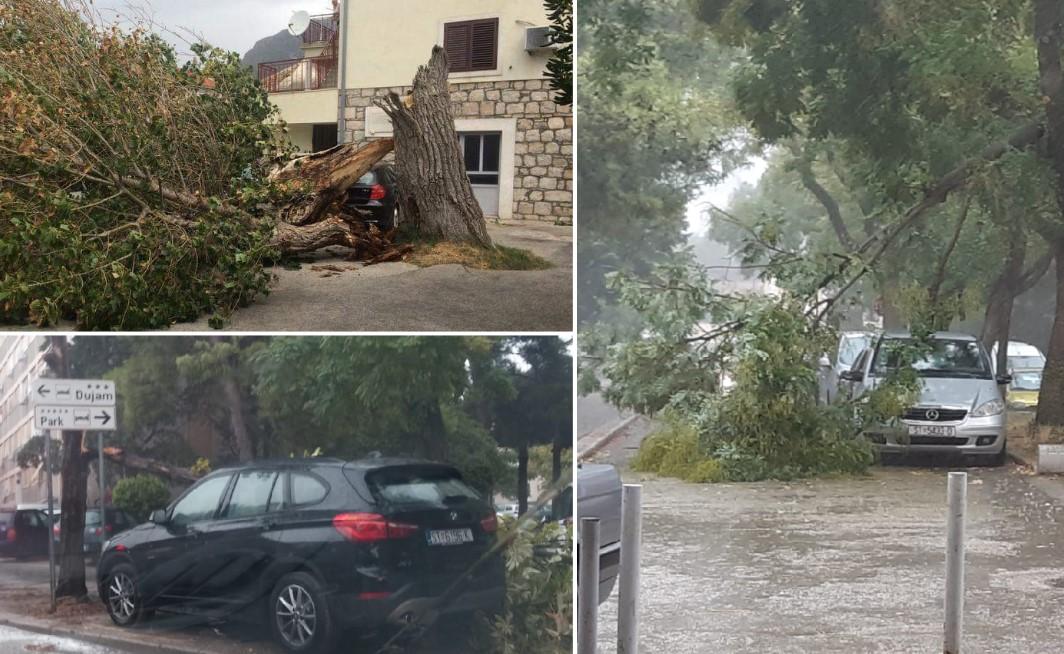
[{"x": 75, "y": 405}]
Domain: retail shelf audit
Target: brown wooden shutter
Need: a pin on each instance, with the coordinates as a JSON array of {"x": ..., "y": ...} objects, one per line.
[
  {"x": 472, "y": 44},
  {"x": 484, "y": 46},
  {"x": 457, "y": 39}
]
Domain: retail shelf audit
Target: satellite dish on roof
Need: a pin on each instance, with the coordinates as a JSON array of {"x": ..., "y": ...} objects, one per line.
[{"x": 298, "y": 23}]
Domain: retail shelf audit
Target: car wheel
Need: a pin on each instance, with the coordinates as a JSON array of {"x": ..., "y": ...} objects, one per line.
[
  {"x": 122, "y": 600},
  {"x": 387, "y": 222},
  {"x": 299, "y": 614}
]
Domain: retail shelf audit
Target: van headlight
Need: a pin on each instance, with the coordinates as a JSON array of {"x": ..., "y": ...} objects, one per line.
[{"x": 991, "y": 408}]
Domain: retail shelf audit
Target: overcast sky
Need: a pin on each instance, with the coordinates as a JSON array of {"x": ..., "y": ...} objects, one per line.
[{"x": 230, "y": 24}]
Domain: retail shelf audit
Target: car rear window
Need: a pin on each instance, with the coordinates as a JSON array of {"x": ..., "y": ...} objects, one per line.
[
  {"x": 367, "y": 179},
  {"x": 419, "y": 486},
  {"x": 92, "y": 518}
]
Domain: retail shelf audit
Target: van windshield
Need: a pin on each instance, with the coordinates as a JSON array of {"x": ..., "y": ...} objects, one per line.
[{"x": 941, "y": 357}]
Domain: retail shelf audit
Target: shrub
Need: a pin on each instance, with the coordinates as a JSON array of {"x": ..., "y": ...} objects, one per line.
[
  {"x": 141, "y": 495},
  {"x": 539, "y": 595},
  {"x": 674, "y": 451}
]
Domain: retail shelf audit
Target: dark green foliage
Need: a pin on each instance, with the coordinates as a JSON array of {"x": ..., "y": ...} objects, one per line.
[
  {"x": 560, "y": 66},
  {"x": 93, "y": 123},
  {"x": 140, "y": 495}
]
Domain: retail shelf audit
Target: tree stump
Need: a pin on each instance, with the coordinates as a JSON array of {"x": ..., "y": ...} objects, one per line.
[{"x": 435, "y": 197}]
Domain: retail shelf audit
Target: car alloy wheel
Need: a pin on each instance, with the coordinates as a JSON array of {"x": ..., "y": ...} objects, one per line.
[
  {"x": 121, "y": 597},
  {"x": 296, "y": 615}
]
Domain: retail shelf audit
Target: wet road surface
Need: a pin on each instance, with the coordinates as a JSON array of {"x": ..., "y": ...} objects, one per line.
[
  {"x": 17, "y": 640},
  {"x": 847, "y": 565}
]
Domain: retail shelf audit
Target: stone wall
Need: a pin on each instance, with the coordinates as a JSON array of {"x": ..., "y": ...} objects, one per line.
[{"x": 543, "y": 152}]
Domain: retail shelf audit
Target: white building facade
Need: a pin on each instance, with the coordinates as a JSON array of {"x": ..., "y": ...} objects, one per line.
[{"x": 516, "y": 140}]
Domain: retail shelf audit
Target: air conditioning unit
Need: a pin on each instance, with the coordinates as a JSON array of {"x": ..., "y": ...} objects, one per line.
[{"x": 537, "y": 39}]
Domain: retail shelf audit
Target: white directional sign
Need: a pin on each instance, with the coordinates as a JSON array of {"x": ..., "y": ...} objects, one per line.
[
  {"x": 52, "y": 416},
  {"x": 75, "y": 392}
]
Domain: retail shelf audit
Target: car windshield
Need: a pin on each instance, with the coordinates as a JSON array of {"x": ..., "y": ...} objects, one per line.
[
  {"x": 850, "y": 348},
  {"x": 1026, "y": 381},
  {"x": 941, "y": 357},
  {"x": 1016, "y": 362}
]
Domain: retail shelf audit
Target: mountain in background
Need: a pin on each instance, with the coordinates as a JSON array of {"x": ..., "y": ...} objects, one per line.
[{"x": 278, "y": 47}]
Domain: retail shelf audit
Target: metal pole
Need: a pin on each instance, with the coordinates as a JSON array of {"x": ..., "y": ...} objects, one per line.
[
  {"x": 99, "y": 447},
  {"x": 341, "y": 91},
  {"x": 51, "y": 512},
  {"x": 587, "y": 587},
  {"x": 958, "y": 491},
  {"x": 628, "y": 592}
]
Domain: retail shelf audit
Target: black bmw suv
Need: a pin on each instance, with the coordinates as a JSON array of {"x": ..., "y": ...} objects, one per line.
[{"x": 317, "y": 547}]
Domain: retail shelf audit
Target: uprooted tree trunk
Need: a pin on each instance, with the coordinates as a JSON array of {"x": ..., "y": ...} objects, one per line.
[{"x": 435, "y": 197}]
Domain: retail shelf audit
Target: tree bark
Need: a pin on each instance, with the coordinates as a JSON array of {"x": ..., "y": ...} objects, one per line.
[
  {"x": 1051, "y": 395},
  {"x": 435, "y": 197},
  {"x": 152, "y": 466},
  {"x": 234, "y": 400},
  {"x": 1048, "y": 25}
]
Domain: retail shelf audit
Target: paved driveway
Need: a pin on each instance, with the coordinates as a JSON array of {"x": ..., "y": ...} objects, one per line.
[
  {"x": 848, "y": 565},
  {"x": 402, "y": 297}
]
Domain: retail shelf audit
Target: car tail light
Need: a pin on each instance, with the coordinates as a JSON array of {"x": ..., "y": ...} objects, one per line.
[
  {"x": 374, "y": 595},
  {"x": 11, "y": 534},
  {"x": 490, "y": 523},
  {"x": 369, "y": 527},
  {"x": 99, "y": 532},
  {"x": 108, "y": 528},
  {"x": 377, "y": 192},
  {"x": 55, "y": 530}
]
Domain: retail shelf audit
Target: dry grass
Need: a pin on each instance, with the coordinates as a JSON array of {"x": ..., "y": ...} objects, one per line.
[{"x": 471, "y": 256}]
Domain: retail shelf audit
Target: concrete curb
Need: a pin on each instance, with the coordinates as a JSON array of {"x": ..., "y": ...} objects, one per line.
[
  {"x": 601, "y": 441},
  {"x": 92, "y": 634},
  {"x": 1020, "y": 459}
]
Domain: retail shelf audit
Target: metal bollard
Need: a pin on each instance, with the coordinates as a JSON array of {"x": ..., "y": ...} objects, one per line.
[
  {"x": 957, "y": 493},
  {"x": 587, "y": 588},
  {"x": 628, "y": 591}
]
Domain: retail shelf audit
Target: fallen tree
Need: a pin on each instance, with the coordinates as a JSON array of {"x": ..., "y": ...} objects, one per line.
[{"x": 137, "y": 192}]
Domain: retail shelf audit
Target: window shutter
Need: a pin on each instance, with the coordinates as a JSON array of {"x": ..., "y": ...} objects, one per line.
[
  {"x": 457, "y": 38},
  {"x": 484, "y": 44},
  {"x": 472, "y": 44}
]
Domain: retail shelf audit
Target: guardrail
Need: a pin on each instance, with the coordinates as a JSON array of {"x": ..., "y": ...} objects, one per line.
[
  {"x": 306, "y": 74},
  {"x": 322, "y": 29}
]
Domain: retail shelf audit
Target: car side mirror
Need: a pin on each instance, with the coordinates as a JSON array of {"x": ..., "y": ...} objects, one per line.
[
  {"x": 1004, "y": 380},
  {"x": 158, "y": 517},
  {"x": 852, "y": 375}
]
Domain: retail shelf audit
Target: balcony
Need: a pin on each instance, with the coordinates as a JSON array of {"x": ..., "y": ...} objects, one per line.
[
  {"x": 307, "y": 74},
  {"x": 323, "y": 29}
]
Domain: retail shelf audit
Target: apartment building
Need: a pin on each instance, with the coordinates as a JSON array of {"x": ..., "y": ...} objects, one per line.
[
  {"x": 21, "y": 362},
  {"x": 517, "y": 142}
]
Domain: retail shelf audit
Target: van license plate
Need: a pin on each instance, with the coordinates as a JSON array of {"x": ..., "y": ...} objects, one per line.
[
  {"x": 450, "y": 536},
  {"x": 932, "y": 430}
]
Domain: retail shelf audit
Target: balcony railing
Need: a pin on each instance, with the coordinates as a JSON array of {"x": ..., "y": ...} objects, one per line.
[
  {"x": 307, "y": 74},
  {"x": 322, "y": 29}
]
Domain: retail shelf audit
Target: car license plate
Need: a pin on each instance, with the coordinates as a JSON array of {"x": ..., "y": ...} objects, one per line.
[
  {"x": 932, "y": 430},
  {"x": 450, "y": 536}
]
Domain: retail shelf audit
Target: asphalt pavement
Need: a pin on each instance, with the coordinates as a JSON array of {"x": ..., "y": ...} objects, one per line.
[
  {"x": 846, "y": 565},
  {"x": 88, "y": 630},
  {"x": 399, "y": 296}
]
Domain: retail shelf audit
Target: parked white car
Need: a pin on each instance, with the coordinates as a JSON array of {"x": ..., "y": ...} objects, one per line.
[{"x": 1021, "y": 356}]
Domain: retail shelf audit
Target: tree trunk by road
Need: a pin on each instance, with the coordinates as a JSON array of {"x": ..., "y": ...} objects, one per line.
[
  {"x": 74, "y": 476},
  {"x": 435, "y": 197},
  {"x": 522, "y": 477},
  {"x": 1048, "y": 25},
  {"x": 557, "y": 447}
]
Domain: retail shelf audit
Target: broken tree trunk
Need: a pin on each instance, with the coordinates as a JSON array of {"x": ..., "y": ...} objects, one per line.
[
  {"x": 328, "y": 175},
  {"x": 435, "y": 197}
]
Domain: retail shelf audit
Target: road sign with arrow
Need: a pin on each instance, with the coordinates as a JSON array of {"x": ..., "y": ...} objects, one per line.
[
  {"x": 75, "y": 392},
  {"x": 74, "y": 404},
  {"x": 52, "y": 416}
]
